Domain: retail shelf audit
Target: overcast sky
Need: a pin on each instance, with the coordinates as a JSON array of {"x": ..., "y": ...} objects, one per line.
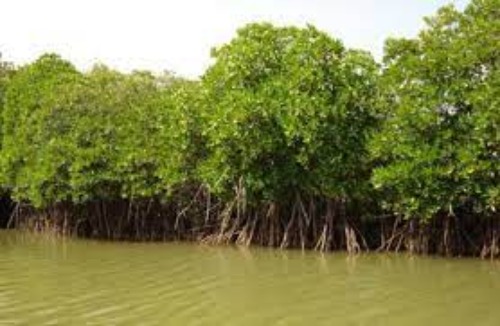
[{"x": 177, "y": 35}]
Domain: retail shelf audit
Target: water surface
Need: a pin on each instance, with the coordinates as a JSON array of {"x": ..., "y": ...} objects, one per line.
[{"x": 46, "y": 281}]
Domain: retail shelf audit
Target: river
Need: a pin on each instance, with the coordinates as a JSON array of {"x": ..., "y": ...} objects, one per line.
[{"x": 47, "y": 281}]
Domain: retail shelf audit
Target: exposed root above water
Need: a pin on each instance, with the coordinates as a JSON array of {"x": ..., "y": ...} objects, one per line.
[{"x": 308, "y": 223}]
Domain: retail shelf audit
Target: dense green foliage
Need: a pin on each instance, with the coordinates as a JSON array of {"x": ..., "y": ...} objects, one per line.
[
  {"x": 288, "y": 109},
  {"x": 6, "y": 72},
  {"x": 440, "y": 142},
  {"x": 283, "y": 114},
  {"x": 75, "y": 137}
]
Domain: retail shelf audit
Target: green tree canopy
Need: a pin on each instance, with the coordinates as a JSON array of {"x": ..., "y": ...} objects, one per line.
[
  {"x": 100, "y": 135},
  {"x": 35, "y": 154},
  {"x": 439, "y": 147},
  {"x": 288, "y": 110}
]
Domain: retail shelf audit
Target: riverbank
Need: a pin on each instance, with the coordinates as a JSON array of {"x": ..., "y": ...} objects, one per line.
[
  {"x": 323, "y": 226},
  {"x": 289, "y": 139}
]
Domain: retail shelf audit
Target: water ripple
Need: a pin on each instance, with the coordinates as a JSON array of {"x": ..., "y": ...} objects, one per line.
[{"x": 51, "y": 282}]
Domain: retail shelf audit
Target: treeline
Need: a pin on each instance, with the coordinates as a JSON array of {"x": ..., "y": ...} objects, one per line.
[{"x": 289, "y": 139}]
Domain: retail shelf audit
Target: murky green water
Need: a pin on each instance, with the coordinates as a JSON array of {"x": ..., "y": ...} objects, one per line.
[{"x": 53, "y": 282}]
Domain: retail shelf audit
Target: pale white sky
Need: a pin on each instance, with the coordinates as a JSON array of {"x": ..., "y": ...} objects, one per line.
[{"x": 178, "y": 35}]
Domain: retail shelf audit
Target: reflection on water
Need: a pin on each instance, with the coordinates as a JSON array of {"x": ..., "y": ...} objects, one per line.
[{"x": 46, "y": 281}]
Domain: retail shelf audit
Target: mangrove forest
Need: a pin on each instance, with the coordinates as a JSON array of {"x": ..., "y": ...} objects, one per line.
[{"x": 289, "y": 139}]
